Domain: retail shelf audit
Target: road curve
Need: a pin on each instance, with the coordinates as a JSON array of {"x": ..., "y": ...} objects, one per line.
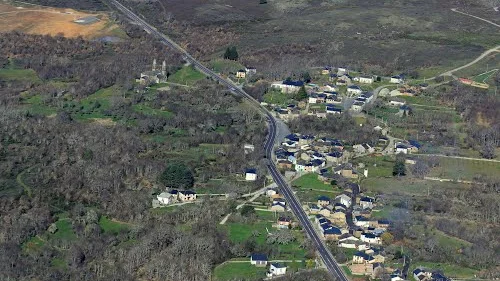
[{"x": 290, "y": 197}]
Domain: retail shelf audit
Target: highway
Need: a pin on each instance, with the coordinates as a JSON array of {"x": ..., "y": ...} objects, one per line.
[{"x": 285, "y": 189}]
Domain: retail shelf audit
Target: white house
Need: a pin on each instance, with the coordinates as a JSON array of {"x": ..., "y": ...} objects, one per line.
[
  {"x": 344, "y": 200},
  {"x": 276, "y": 269},
  {"x": 350, "y": 242},
  {"x": 258, "y": 259},
  {"x": 251, "y": 175},
  {"x": 165, "y": 198},
  {"x": 288, "y": 86},
  {"x": 312, "y": 99},
  {"x": 354, "y": 90},
  {"x": 357, "y": 106},
  {"x": 366, "y": 79},
  {"x": 342, "y": 70},
  {"x": 250, "y": 70},
  {"x": 366, "y": 202},
  {"x": 396, "y": 102},
  {"x": 370, "y": 238},
  {"x": 397, "y": 79}
]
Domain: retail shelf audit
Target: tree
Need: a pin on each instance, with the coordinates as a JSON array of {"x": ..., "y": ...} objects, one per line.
[
  {"x": 387, "y": 238},
  {"x": 177, "y": 176},
  {"x": 399, "y": 168},
  {"x": 231, "y": 53},
  {"x": 301, "y": 94},
  {"x": 247, "y": 211},
  {"x": 306, "y": 77}
]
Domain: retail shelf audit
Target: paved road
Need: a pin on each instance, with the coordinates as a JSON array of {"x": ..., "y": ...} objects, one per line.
[{"x": 286, "y": 190}]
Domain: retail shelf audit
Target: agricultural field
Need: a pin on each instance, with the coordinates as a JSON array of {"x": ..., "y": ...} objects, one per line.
[
  {"x": 406, "y": 186},
  {"x": 310, "y": 181},
  {"x": 28, "y": 19},
  {"x": 186, "y": 76},
  {"x": 463, "y": 169},
  {"x": 230, "y": 270}
]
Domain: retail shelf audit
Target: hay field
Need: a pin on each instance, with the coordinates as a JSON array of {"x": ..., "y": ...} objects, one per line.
[{"x": 52, "y": 21}]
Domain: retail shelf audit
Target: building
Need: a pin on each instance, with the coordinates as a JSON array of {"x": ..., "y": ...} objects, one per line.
[
  {"x": 354, "y": 90},
  {"x": 288, "y": 86},
  {"x": 366, "y": 202},
  {"x": 258, "y": 259},
  {"x": 358, "y": 106},
  {"x": 154, "y": 76},
  {"x": 241, "y": 73},
  {"x": 187, "y": 195},
  {"x": 333, "y": 110},
  {"x": 284, "y": 222},
  {"x": 165, "y": 198},
  {"x": 370, "y": 238},
  {"x": 332, "y": 233},
  {"x": 278, "y": 206},
  {"x": 251, "y": 175},
  {"x": 325, "y": 71},
  {"x": 361, "y": 257},
  {"x": 323, "y": 201},
  {"x": 397, "y": 79},
  {"x": 366, "y": 79},
  {"x": 250, "y": 70},
  {"x": 276, "y": 269},
  {"x": 344, "y": 200}
]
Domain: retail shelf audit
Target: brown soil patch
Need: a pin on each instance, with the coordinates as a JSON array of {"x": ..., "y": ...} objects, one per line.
[
  {"x": 104, "y": 121},
  {"x": 52, "y": 21}
]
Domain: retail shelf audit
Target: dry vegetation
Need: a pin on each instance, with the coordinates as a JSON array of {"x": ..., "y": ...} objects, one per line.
[{"x": 53, "y": 21}]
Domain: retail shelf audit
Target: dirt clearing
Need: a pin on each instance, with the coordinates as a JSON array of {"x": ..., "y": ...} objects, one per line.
[{"x": 52, "y": 21}]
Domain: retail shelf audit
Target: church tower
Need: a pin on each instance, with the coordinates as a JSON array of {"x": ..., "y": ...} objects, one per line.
[
  {"x": 154, "y": 65},
  {"x": 164, "y": 68}
]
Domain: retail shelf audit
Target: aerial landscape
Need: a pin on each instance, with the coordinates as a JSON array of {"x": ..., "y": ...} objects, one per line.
[{"x": 228, "y": 140}]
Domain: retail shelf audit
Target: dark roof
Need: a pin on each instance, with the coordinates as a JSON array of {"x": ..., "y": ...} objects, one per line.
[
  {"x": 333, "y": 75},
  {"x": 402, "y": 146},
  {"x": 359, "y": 103},
  {"x": 259, "y": 257},
  {"x": 333, "y": 230},
  {"x": 364, "y": 256},
  {"x": 316, "y": 162},
  {"x": 293, "y": 83},
  {"x": 415, "y": 143},
  {"x": 367, "y": 199},
  {"x": 384, "y": 222},
  {"x": 251, "y": 171},
  {"x": 241, "y": 70},
  {"x": 323, "y": 198},
  {"x": 369, "y": 235},
  {"x": 278, "y": 265},
  {"x": 354, "y": 87},
  {"x": 336, "y": 154},
  {"x": 361, "y": 218},
  {"x": 404, "y": 107},
  {"x": 284, "y": 219},
  {"x": 292, "y": 137},
  {"x": 187, "y": 192},
  {"x": 174, "y": 191}
]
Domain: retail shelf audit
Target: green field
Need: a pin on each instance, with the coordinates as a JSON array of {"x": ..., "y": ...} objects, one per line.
[
  {"x": 378, "y": 166},
  {"x": 225, "y": 66},
  {"x": 147, "y": 110},
  {"x": 311, "y": 181},
  {"x": 33, "y": 244},
  {"x": 276, "y": 97},
  {"x": 406, "y": 185},
  {"x": 452, "y": 168},
  {"x": 449, "y": 270},
  {"x": 112, "y": 227},
  {"x": 10, "y": 74},
  {"x": 312, "y": 195},
  {"x": 240, "y": 232},
  {"x": 35, "y": 105},
  {"x": 186, "y": 75},
  {"x": 240, "y": 270},
  {"x": 64, "y": 230}
]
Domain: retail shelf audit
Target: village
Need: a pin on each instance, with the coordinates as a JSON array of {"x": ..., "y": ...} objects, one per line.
[{"x": 345, "y": 220}]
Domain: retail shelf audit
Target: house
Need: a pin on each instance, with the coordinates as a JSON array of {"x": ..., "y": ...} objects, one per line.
[
  {"x": 323, "y": 201},
  {"x": 248, "y": 148},
  {"x": 360, "y": 257},
  {"x": 332, "y": 77},
  {"x": 422, "y": 275},
  {"x": 333, "y": 110},
  {"x": 187, "y": 195},
  {"x": 250, "y": 70},
  {"x": 341, "y": 82},
  {"x": 348, "y": 241},
  {"x": 366, "y": 79},
  {"x": 344, "y": 200},
  {"x": 165, "y": 198},
  {"x": 370, "y": 238},
  {"x": 366, "y": 202},
  {"x": 361, "y": 221},
  {"x": 285, "y": 164},
  {"x": 241, "y": 73},
  {"x": 402, "y": 148},
  {"x": 354, "y": 90},
  {"x": 339, "y": 217},
  {"x": 332, "y": 233},
  {"x": 278, "y": 207},
  {"x": 397, "y": 79},
  {"x": 313, "y": 98},
  {"x": 414, "y": 145},
  {"x": 314, "y": 209},
  {"x": 251, "y": 175},
  {"x": 288, "y": 86},
  {"x": 300, "y": 166},
  {"x": 342, "y": 70},
  {"x": 284, "y": 222},
  {"x": 361, "y": 269},
  {"x": 346, "y": 170},
  {"x": 333, "y": 99},
  {"x": 258, "y": 259},
  {"x": 404, "y": 110},
  {"x": 271, "y": 191},
  {"x": 368, "y": 96},
  {"x": 325, "y": 71},
  {"x": 276, "y": 269},
  {"x": 357, "y": 106}
]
